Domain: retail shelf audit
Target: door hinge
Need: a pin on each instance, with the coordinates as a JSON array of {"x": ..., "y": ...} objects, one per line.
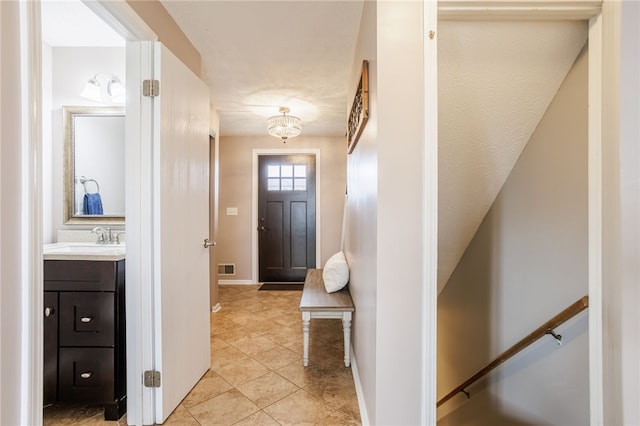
[
  {"x": 152, "y": 379},
  {"x": 150, "y": 88}
]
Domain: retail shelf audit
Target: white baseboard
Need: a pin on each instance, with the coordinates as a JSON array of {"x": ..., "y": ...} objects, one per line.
[
  {"x": 216, "y": 308},
  {"x": 236, "y": 282},
  {"x": 364, "y": 417}
]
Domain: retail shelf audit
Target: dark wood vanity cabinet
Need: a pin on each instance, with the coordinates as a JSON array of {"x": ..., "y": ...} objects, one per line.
[{"x": 84, "y": 334}]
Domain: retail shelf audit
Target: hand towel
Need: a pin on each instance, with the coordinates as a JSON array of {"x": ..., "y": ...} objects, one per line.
[{"x": 92, "y": 204}]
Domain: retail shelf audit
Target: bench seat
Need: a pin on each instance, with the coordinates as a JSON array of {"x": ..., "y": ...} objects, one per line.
[{"x": 317, "y": 303}]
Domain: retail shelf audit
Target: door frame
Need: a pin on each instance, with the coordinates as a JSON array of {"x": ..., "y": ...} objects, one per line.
[
  {"x": 254, "y": 202},
  {"x": 138, "y": 204},
  {"x": 603, "y": 125}
]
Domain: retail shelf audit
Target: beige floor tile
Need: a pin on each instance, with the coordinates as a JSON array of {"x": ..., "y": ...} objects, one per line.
[
  {"x": 300, "y": 375},
  {"x": 225, "y": 356},
  {"x": 242, "y": 370},
  {"x": 333, "y": 391},
  {"x": 181, "y": 417},
  {"x": 300, "y": 408},
  {"x": 254, "y": 345},
  {"x": 290, "y": 319},
  {"x": 277, "y": 357},
  {"x": 267, "y": 389},
  {"x": 284, "y": 335},
  {"x": 237, "y": 333},
  {"x": 206, "y": 388},
  {"x": 352, "y": 409},
  {"x": 225, "y": 409},
  {"x": 338, "y": 418},
  {"x": 258, "y": 419}
]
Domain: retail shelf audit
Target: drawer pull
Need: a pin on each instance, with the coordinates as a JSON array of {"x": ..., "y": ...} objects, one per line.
[
  {"x": 86, "y": 375},
  {"x": 48, "y": 311},
  {"x": 86, "y": 319}
]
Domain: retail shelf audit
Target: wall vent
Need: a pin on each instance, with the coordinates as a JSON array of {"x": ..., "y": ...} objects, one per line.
[{"x": 226, "y": 269}]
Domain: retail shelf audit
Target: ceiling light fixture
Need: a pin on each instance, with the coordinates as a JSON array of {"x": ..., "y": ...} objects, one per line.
[
  {"x": 284, "y": 126},
  {"x": 115, "y": 91}
]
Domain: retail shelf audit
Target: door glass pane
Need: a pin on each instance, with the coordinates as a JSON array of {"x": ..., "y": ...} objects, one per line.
[
  {"x": 287, "y": 171},
  {"x": 300, "y": 184},
  {"x": 300, "y": 170},
  {"x": 273, "y": 171},
  {"x": 273, "y": 184},
  {"x": 287, "y": 184}
]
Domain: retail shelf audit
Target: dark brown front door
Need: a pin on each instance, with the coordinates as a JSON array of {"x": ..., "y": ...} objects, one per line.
[{"x": 286, "y": 217}]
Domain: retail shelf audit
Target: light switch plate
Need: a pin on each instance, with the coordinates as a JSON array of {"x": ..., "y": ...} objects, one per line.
[{"x": 232, "y": 211}]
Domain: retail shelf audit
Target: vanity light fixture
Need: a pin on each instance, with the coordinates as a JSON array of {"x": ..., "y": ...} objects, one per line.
[
  {"x": 284, "y": 126},
  {"x": 115, "y": 91}
]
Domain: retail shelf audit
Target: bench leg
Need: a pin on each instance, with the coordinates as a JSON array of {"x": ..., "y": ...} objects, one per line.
[
  {"x": 346, "y": 326},
  {"x": 306, "y": 322}
]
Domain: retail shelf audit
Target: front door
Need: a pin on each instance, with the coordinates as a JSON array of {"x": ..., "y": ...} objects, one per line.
[{"x": 286, "y": 217}]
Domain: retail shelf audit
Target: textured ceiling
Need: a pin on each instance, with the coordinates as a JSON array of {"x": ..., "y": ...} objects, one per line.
[
  {"x": 260, "y": 55},
  {"x": 71, "y": 23},
  {"x": 496, "y": 80}
]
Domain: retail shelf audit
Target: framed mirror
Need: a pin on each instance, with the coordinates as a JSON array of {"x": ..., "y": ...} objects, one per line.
[{"x": 94, "y": 190}]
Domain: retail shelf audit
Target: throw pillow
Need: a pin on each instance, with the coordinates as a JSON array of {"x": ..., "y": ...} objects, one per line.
[{"x": 335, "y": 273}]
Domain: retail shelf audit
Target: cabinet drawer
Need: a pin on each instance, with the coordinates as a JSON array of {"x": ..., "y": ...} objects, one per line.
[
  {"x": 87, "y": 319},
  {"x": 86, "y": 375},
  {"x": 81, "y": 275}
]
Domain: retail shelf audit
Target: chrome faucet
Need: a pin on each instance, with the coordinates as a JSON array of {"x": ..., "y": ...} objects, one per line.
[{"x": 104, "y": 234}]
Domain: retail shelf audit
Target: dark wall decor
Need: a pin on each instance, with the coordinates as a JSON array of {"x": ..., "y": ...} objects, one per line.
[{"x": 359, "y": 109}]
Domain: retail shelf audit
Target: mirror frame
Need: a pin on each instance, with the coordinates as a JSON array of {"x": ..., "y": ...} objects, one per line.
[{"x": 69, "y": 113}]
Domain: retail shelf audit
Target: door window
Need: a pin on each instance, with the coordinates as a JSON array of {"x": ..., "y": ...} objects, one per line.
[{"x": 287, "y": 177}]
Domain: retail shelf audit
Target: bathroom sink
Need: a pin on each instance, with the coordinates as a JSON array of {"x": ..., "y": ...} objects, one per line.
[{"x": 84, "y": 251}]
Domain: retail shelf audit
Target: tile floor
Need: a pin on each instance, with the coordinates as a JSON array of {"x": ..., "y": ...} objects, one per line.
[{"x": 256, "y": 375}]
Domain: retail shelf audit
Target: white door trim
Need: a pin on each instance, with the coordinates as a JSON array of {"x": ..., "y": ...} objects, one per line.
[
  {"x": 592, "y": 10},
  {"x": 596, "y": 397},
  {"x": 139, "y": 142},
  {"x": 254, "y": 201},
  {"x": 430, "y": 217}
]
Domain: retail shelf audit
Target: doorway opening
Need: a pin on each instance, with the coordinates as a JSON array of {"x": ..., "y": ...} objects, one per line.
[
  {"x": 285, "y": 252},
  {"x": 286, "y": 217}
]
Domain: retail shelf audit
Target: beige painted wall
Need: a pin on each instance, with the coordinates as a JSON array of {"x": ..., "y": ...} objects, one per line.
[
  {"x": 236, "y": 159},
  {"x": 527, "y": 262},
  {"x": 629, "y": 184},
  {"x": 361, "y": 246},
  {"x": 384, "y": 244},
  {"x": 168, "y": 32}
]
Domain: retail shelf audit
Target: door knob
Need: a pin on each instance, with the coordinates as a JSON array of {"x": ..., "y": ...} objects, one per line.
[{"x": 208, "y": 243}]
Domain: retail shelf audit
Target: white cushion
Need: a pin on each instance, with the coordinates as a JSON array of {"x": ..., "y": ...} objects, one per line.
[{"x": 335, "y": 273}]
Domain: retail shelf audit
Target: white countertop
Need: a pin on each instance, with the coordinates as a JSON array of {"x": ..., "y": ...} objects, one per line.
[{"x": 84, "y": 251}]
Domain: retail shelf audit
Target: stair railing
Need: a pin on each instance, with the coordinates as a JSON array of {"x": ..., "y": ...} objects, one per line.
[{"x": 546, "y": 328}]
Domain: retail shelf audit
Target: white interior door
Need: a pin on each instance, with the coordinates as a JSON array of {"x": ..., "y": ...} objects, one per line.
[{"x": 181, "y": 223}]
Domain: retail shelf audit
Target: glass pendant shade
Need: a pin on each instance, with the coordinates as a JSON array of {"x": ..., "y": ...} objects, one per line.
[
  {"x": 284, "y": 126},
  {"x": 92, "y": 90},
  {"x": 115, "y": 91}
]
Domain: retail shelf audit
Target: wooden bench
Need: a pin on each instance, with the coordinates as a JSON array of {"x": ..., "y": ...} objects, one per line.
[{"x": 317, "y": 303}]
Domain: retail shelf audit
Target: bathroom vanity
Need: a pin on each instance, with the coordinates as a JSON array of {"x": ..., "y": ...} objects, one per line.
[{"x": 84, "y": 326}]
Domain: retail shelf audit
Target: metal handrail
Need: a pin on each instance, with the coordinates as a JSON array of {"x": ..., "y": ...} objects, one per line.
[{"x": 544, "y": 329}]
